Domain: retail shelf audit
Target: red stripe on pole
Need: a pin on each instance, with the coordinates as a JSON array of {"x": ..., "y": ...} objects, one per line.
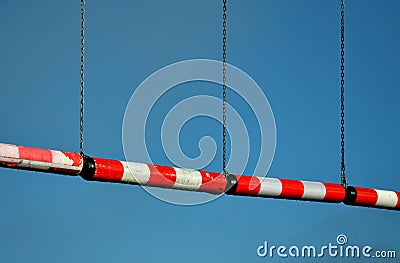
[
  {"x": 366, "y": 196},
  {"x": 9, "y": 165},
  {"x": 214, "y": 183},
  {"x": 247, "y": 185},
  {"x": 35, "y": 154},
  {"x": 76, "y": 158},
  {"x": 108, "y": 170},
  {"x": 334, "y": 192},
  {"x": 398, "y": 200},
  {"x": 291, "y": 189},
  {"x": 162, "y": 176}
]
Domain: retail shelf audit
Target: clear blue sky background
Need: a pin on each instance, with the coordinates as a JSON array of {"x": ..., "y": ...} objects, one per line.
[{"x": 291, "y": 48}]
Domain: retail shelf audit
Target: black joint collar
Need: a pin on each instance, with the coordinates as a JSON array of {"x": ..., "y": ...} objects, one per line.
[
  {"x": 351, "y": 195},
  {"x": 89, "y": 167},
  {"x": 231, "y": 184}
]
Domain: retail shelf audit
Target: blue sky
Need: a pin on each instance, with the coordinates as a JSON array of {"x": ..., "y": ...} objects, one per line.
[{"x": 291, "y": 48}]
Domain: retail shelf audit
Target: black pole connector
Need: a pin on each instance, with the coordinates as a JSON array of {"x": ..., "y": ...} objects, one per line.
[
  {"x": 351, "y": 195},
  {"x": 89, "y": 168},
  {"x": 231, "y": 184}
]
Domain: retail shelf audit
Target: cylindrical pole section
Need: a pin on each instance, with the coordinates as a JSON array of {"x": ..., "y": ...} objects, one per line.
[
  {"x": 369, "y": 197},
  {"x": 155, "y": 175},
  {"x": 41, "y": 160},
  {"x": 105, "y": 170},
  {"x": 289, "y": 189}
]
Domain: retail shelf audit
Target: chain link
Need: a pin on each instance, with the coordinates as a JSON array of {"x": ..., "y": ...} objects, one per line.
[
  {"x": 343, "y": 167},
  {"x": 82, "y": 79},
  {"x": 224, "y": 90}
]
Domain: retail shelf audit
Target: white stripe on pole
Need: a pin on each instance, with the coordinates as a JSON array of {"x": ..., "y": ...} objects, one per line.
[
  {"x": 270, "y": 187},
  {"x": 187, "y": 179},
  {"x": 136, "y": 173},
  {"x": 386, "y": 198},
  {"x": 8, "y": 150},
  {"x": 313, "y": 190}
]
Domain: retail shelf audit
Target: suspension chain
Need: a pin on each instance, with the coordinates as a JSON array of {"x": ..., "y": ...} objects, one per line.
[
  {"x": 224, "y": 90},
  {"x": 82, "y": 80},
  {"x": 343, "y": 167}
]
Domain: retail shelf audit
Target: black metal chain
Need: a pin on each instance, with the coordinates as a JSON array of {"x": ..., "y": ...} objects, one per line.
[
  {"x": 343, "y": 167},
  {"x": 81, "y": 124},
  {"x": 224, "y": 90}
]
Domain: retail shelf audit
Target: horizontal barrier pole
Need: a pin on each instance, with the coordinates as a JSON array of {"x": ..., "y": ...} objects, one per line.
[
  {"x": 105, "y": 170},
  {"x": 369, "y": 197},
  {"x": 40, "y": 160}
]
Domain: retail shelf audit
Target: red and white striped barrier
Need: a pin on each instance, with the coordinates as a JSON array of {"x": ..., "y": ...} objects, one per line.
[
  {"x": 105, "y": 170},
  {"x": 157, "y": 176},
  {"x": 41, "y": 160},
  {"x": 370, "y": 197},
  {"x": 290, "y": 189}
]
